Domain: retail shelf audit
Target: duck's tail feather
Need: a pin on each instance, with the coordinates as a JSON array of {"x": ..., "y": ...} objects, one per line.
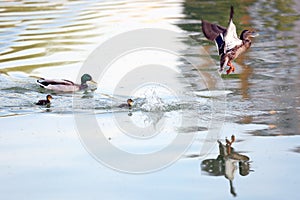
[
  {"x": 42, "y": 82},
  {"x": 231, "y": 13}
]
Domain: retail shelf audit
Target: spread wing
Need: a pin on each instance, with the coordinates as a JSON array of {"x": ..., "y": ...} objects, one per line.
[
  {"x": 231, "y": 38},
  {"x": 225, "y": 38},
  {"x": 214, "y": 32}
]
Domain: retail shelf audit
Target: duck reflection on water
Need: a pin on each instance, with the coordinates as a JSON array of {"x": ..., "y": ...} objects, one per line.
[{"x": 226, "y": 163}]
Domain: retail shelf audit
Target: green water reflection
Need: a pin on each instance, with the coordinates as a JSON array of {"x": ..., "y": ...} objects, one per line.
[
  {"x": 273, "y": 53},
  {"x": 41, "y": 154}
]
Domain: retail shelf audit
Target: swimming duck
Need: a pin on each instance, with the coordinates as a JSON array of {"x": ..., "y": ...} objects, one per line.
[
  {"x": 45, "y": 102},
  {"x": 64, "y": 85},
  {"x": 227, "y": 41},
  {"x": 129, "y": 104}
]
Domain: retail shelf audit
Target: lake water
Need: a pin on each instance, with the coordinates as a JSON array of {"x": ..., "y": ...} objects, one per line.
[{"x": 84, "y": 146}]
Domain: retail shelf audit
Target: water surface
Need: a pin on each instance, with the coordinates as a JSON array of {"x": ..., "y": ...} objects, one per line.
[{"x": 42, "y": 156}]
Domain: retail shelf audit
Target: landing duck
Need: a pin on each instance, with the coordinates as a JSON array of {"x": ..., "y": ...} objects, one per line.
[
  {"x": 229, "y": 45},
  {"x": 62, "y": 85}
]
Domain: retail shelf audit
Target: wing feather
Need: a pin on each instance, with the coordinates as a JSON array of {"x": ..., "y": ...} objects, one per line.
[
  {"x": 212, "y": 31},
  {"x": 231, "y": 38},
  {"x": 225, "y": 38},
  {"x": 46, "y": 82}
]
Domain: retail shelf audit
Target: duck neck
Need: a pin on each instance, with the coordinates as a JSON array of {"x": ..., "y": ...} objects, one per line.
[
  {"x": 48, "y": 100},
  {"x": 247, "y": 43},
  {"x": 83, "y": 85}
]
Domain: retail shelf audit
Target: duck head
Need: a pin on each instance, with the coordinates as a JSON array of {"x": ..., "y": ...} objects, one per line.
[
  {"x": 130, "y": 102},
  {"x": 85, "y": 78},
  {"x": 49, "y": 97},
  {"x": 246, "y": 35}
]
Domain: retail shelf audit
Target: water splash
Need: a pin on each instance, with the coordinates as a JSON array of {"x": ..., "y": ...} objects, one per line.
[{"x": 152, "y": 101}]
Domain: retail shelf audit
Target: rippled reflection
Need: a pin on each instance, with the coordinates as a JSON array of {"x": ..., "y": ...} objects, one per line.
[
  {"x": 226, "y": 164},
  {"x": 38, "y": 34},
  {"x": 53, "y": 38},
  {"x": 269, "y": 73},
  {"x": 39, "y": 145}
]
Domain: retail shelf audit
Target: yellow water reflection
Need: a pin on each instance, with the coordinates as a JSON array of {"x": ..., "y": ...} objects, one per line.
[{"x": 39, "y": 34}]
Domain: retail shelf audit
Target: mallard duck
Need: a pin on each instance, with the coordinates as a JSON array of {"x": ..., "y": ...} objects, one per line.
[
  {"x": 64, "y": 85},
  {"x": 227, "y": 41},
  {"x": 45, "y": 102},
  {"x": 129, "y": 104}
]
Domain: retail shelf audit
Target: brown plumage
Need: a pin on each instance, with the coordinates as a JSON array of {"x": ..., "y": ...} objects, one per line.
[
  {"x": 45, "y": 102},
  {"x": 229, "y": 45},
  {"x": 128, "y": 105}
]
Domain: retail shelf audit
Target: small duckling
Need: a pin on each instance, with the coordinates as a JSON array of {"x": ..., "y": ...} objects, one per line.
[
  {"x": 45, "y": 102},
  {"x": 129, "y": 104}
]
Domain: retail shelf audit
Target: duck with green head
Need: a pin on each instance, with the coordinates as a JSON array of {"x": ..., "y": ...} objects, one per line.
[{"x": 62, "y": 85}]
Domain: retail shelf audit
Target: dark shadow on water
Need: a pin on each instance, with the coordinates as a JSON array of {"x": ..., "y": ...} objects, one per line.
[
  {"x": 226, "y": 164},
  {"x": 296, "y": 150}
]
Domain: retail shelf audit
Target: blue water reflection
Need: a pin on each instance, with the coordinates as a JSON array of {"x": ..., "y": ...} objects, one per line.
[{"x": 41, "y": 154}]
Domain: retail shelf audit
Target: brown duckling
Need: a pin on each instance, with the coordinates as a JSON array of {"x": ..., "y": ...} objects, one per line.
[
  {"x": 45, "y": 102},
  {"x": 129, "y": 104}
]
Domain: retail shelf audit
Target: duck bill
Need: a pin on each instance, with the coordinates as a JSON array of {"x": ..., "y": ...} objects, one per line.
[
  {"x": 94, "y": 82},
  {"x": 254, "y": 34}
]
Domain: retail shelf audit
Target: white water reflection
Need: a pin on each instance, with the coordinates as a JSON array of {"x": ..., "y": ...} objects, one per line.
[{"x": 41, "y": 155}]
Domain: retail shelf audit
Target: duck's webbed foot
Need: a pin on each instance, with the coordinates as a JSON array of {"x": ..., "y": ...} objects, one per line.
[{"x": 231, "y": 68}]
